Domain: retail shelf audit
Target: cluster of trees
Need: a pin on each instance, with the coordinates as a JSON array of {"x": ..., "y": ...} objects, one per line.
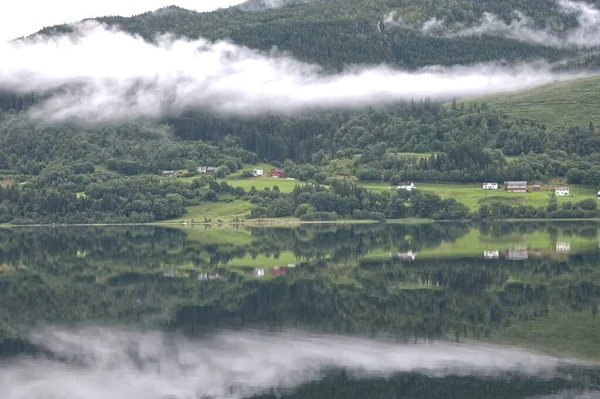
[
  {"x": 349, "y": 200},
  {"x": 587, "y": 208}
]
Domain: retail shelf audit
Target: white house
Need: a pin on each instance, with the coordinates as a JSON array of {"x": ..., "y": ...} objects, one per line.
[
  {"x": 599, "y": 195},
  {"x": 563, "y": 247},
  {"x": 168, "y": 173},
  {"x": 561, "y": 191},
  {"x": 490, "y": 186},
  {"x": 258, "y": 172},
  {"x": 491, "y": 254},
  {"x": 406, "y": 186}
]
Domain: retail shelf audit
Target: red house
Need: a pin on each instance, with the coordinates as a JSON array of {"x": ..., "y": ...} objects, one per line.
[{"x": 277, "y": 173}]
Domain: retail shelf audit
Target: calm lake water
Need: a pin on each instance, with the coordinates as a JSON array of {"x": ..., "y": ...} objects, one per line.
[{"x": 500, "y": 310}]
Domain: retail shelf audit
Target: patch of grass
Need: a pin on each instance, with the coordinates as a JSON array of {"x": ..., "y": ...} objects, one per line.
[
  {"x": 6, "y": 182},
  {"x": 557, "y": 105},
  {"x": 562, "y": 333},
  {"x": 285, "y": 185},
  {"x": 472, "y": 195},
  {"x": 215, "y": 210}
]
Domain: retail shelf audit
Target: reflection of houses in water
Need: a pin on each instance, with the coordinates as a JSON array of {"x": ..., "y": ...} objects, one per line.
[
  {"x": 275, "y": 271},
  {"x": 491, "y": 254},
  {"x": 563, "y": 247},
  {"x": 410, "y": 255},
  {"x": 516, "y": 254},
  {"x": 209, "y": 276}
]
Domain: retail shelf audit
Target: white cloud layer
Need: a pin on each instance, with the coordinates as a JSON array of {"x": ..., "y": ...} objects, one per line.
[
  {"x": 126, "y": 364},
  {"x": 523, "y": 29},
  {"x": 108, "y": 75}
]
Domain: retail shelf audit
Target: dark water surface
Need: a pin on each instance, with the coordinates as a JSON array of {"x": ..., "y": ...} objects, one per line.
[{"x": 501, "y": 310}]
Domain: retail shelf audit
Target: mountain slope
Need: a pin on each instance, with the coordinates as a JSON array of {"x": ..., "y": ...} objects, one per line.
[
  {"x": 558, "y": 105},
  {"x": 339, "y": 32}
]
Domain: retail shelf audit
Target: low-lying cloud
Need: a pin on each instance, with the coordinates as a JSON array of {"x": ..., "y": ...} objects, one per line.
[
  {"x": 100, "y": 74},
  {"x": 92, "y": 363},
  {"x": 522, "y": 28}
]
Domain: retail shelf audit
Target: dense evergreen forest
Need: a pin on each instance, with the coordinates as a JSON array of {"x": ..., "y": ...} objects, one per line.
[
  {"x": 71, "y": 173},
  {"x": 341, "y": 32}
]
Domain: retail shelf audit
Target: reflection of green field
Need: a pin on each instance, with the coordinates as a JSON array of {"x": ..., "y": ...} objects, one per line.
[
  {"x": 261, "y": 260},
  {"x": 473, "y": 196},
  {"x": 562, "y": 333},
  {"x": 474, "y": 243},
  {"x": 217, "y": 235}
]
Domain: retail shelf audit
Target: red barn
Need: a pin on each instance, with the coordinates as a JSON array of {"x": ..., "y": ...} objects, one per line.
[
  {"x": 515, "y": 186},
  {"x": 277, "y": 173}
]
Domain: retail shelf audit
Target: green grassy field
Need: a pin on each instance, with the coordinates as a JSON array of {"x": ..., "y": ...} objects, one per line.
[
  {"x": 474, "y": 244},
  {"x": 285, "y": 185},
  {"x": 562, "y": 333},
  {"x": 473, "y": 196},
  {"x": 558, "y": 105},
  {"x": 215, "y": 210}
]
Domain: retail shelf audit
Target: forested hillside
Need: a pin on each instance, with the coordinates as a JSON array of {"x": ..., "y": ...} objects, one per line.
[
  {"x": 74, "y": 172},
  {"x": 339, "y": 32}
]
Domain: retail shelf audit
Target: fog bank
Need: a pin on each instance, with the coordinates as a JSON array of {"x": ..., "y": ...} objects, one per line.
[
  {"x": 127, "y": 364},
  {"x": 522, "y": 28},
  {"x": 99, "y": 74}
]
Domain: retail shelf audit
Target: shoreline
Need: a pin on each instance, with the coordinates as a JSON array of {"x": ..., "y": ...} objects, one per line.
[{"x": 295, "y": 222}]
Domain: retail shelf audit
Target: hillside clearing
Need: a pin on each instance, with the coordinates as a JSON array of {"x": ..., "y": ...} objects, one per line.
[
  {"x": 557, "y": 105},
  {"x": 473, "y": 196}
]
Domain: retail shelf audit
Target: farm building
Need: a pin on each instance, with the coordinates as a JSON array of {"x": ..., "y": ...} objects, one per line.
[
  {"x": 563, "y": 247},
  {"x": 208, "y": 169},
  {"x": 408, "y": 186},
  {"x": 561, "y": 191},
  {"x": 536, "y": 187},
  {"x": 168, "y": 173},
  {"x": 515, "y": 186},
  {"x": 257, "y": 172},
  {"x": 491, "y": 254},
  {"x": 277, "y": 173},
  {"x": 490, "y": 186},
  {"x": 516, "y": 254}
]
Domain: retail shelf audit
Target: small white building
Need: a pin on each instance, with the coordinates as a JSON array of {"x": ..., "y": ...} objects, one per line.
[
  {"x": 561, "y": 191},
  {"x": 406, "y": 186},
  {"x": 598, "y": 195},
  {"x": 490, "y": 186},
  {"x": 258, "y": 172},
  {"x": 563, "y": 247},
  {"x": 168, "y": 173},
  {"x": 491, "y": 254}
]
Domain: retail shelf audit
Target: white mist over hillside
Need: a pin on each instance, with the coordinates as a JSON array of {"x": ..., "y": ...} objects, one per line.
[
  {"x": 99, "y": 74},
  {"x": 523, "y": 29},
  {"x": 127, "y": 364}
]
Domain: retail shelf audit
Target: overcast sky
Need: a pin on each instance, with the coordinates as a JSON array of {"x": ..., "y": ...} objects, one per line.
[{"x": 23, "y": 17}]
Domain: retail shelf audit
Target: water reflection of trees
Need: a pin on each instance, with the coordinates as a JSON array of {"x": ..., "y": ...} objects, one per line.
[{"x": 66, "y": 275}]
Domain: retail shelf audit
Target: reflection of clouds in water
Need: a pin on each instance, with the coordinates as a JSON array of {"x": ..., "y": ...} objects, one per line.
[{"x": 115, "y": 363}]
